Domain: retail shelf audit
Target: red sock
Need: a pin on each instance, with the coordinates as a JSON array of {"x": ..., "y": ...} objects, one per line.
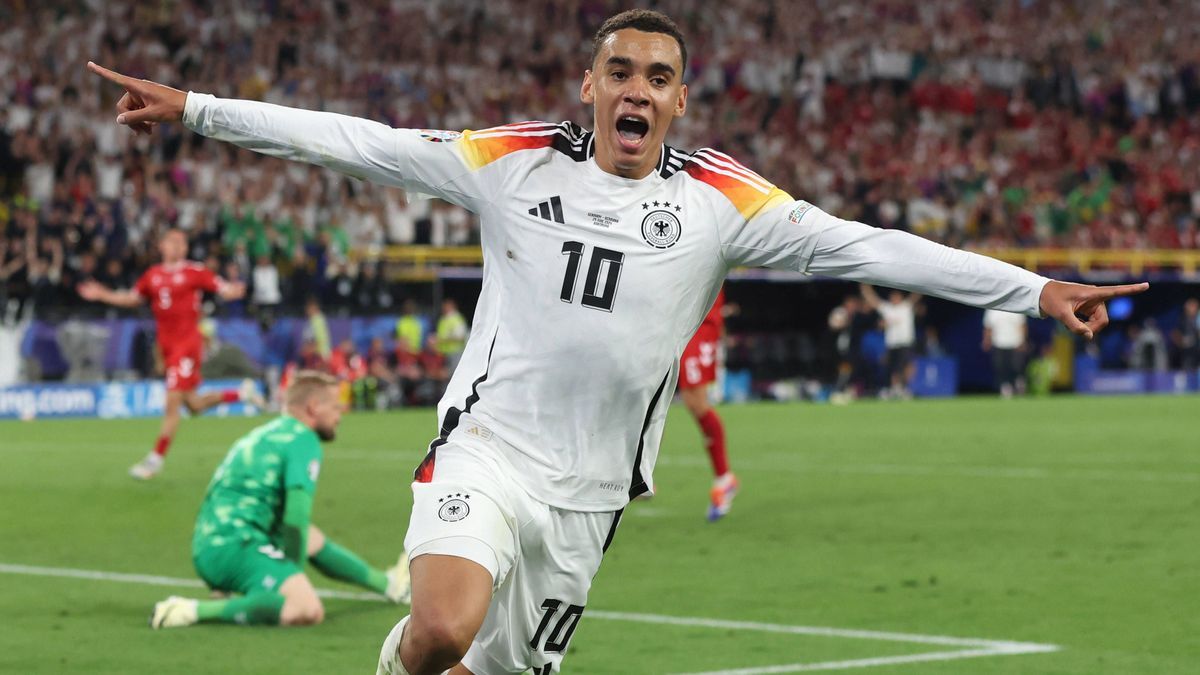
[
  {"x": 160, "y": 448},
  {"x": 714, "y": 442},
  {"x": 230, "y": 396}
]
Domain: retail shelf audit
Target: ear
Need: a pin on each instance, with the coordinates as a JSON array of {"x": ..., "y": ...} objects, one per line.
[
  {"x": 681, "y": 102},
  {"x": 586, "y": 95}
]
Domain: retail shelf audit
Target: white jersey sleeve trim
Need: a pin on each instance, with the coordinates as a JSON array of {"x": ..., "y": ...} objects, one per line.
[{"x": 728, "y": 172}]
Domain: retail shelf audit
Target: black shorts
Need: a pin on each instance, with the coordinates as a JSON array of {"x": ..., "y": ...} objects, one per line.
[{"x": 898, "y": 359}]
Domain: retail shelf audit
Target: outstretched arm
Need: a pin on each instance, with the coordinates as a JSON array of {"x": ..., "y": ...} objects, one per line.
[
  {"x": 97, "y": 292},
  {"x": 768, "y": 227},
  {"x": 231, "y": 290},
  {"x": 897, "y": 259},
  {"x": 357, "y": 147},
  {"x": 869, "y": 295}
]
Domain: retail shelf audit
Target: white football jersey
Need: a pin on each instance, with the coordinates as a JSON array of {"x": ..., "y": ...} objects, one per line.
[{"x": 593, "y": 283}]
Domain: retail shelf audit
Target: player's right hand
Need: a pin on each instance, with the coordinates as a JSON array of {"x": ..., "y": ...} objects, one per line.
[{"x": 145, "y": 103}]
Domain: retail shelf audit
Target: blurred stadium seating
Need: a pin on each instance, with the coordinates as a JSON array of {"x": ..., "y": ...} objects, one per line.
[{"x": 1056, "y": 135}]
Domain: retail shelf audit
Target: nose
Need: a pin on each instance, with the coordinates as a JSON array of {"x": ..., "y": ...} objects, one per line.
[{"x": 635, "y": 92}]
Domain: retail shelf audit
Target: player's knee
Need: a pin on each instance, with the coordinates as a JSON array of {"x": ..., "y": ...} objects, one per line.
[
  {"x": 302, "y": 612},
  {"x": 440, "y": 637}
]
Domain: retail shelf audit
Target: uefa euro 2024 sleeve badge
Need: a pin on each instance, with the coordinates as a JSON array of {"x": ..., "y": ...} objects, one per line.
[{"x": 661, "y": 227}]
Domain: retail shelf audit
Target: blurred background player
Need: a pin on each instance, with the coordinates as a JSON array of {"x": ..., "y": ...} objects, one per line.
[
  {"x": 899, "y": 335},
  {"x": 1004, "y": 337},
  {"x": 254, "y": 530},
  {"x": 697, "y": 370},
  {"x": 174, "y": 289}
]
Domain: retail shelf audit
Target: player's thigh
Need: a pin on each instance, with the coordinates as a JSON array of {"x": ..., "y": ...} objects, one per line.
[
  {"x": 450, "y": 598},
  {"x": 535, "y": 612},
  {"x": 183, "y": 368},
  {"x": 244, "y": 569},
  {"x": 461, "y": 542}
]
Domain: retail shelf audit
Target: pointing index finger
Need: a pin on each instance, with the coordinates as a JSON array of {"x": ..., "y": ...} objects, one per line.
[
  {"x": 111, "y": 75},
  {"x": 1106, "y": 292}
]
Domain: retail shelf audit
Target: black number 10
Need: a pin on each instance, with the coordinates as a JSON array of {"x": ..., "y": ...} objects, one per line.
[
  {"x": 556, "y": 639},
  {"x": 604, "y": 261}
]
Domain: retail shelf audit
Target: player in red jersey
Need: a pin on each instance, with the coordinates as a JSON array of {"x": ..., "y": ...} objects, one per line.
[
  {"x": 174, "y": 288},
  {"x": 698, "y": 369}
]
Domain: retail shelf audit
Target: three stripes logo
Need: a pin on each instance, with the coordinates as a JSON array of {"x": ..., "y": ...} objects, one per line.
[{"x": 550, "y": 209}]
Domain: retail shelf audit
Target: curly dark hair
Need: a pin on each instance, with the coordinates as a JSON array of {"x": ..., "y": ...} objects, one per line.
[{"x": 646, "y": 20}]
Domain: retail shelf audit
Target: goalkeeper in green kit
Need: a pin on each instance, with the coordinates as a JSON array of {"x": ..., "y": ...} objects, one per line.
[{"x": 254, "y": 533}]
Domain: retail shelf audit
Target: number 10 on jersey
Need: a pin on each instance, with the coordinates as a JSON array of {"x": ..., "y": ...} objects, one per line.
[{"x": 603, "y": 275}]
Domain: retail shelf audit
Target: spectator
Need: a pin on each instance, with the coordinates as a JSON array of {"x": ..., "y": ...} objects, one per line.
[
  {"x": 408, "y": 372},
  {"x": 1042, "y": 371},
  {"x": 451, "y": 334},
  {"x": 265, "y": 283},
  {"x": 1147, "y": 347},
  {"x": 1187, "y": 335},
  {"x": 409, "y": 331},
  {"x": 1004, "y": 337},
  {"x": 435, "y": 372},
  {"x": 317, "y": 330},
  {"x": 899, "y": 335}
]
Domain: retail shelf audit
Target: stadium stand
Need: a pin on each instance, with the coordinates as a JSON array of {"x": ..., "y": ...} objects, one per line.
[{"x": 1052, "y": 134}]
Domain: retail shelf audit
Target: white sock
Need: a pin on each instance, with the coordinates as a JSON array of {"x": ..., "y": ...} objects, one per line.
[{"x": 389, "y": 654}]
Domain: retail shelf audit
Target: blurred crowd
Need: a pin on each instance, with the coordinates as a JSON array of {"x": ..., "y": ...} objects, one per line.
[
  {"x": 1066, "y": 123},
  {"x": 410, "y": 365}
]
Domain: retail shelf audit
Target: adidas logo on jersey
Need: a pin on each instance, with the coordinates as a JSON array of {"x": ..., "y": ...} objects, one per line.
[{"x": 550, "y": 209}]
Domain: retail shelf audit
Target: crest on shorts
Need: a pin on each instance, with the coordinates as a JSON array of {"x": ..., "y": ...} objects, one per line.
[
  {"x": 661, "y": 228},
  {"x": 454, "y": 507}
]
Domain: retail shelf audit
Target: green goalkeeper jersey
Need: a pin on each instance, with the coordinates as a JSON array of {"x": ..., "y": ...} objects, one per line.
[{"x": 244, "y": 503}]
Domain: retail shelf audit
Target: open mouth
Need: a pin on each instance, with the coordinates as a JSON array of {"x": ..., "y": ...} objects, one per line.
[{"x": 632, "y": 128}]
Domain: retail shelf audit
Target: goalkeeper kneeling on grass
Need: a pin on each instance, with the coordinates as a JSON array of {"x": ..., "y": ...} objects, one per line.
[{"x": 253, "y": 532}]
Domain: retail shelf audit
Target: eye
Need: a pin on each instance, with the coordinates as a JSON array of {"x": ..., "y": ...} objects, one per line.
[
  {"x": 619, "y": 75},
  {"x": 659, "y": 81}
]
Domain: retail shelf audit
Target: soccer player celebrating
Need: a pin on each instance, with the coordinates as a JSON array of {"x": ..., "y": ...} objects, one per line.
[
  {"x": 602, "y": 251},
  {"x": 174, "y": 288},
  {"x": 254, "y": 533},
  {"x": 697, "y": 370}
]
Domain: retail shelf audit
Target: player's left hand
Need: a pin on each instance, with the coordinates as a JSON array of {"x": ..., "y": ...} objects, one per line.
[{"x": 1080, "y": 307}]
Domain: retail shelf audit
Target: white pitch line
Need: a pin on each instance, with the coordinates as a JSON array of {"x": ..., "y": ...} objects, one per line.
[
  {"x": 818, "y": 631},
  {"x": 916, "y": 469},
  {"x": 154, "y": 580},
  {"x": 873, "y": 662},
  {"x": 980, "y": 647}
]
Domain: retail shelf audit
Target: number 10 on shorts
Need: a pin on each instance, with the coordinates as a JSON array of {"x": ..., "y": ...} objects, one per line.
[{"x": 557, "y": 639}]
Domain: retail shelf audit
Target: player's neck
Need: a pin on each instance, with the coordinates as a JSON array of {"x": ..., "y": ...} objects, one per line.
[{"x": 603, "y": 159}]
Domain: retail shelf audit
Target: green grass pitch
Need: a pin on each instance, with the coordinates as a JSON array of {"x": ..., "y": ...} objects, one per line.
[{"x": 1068, "y": 522}]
